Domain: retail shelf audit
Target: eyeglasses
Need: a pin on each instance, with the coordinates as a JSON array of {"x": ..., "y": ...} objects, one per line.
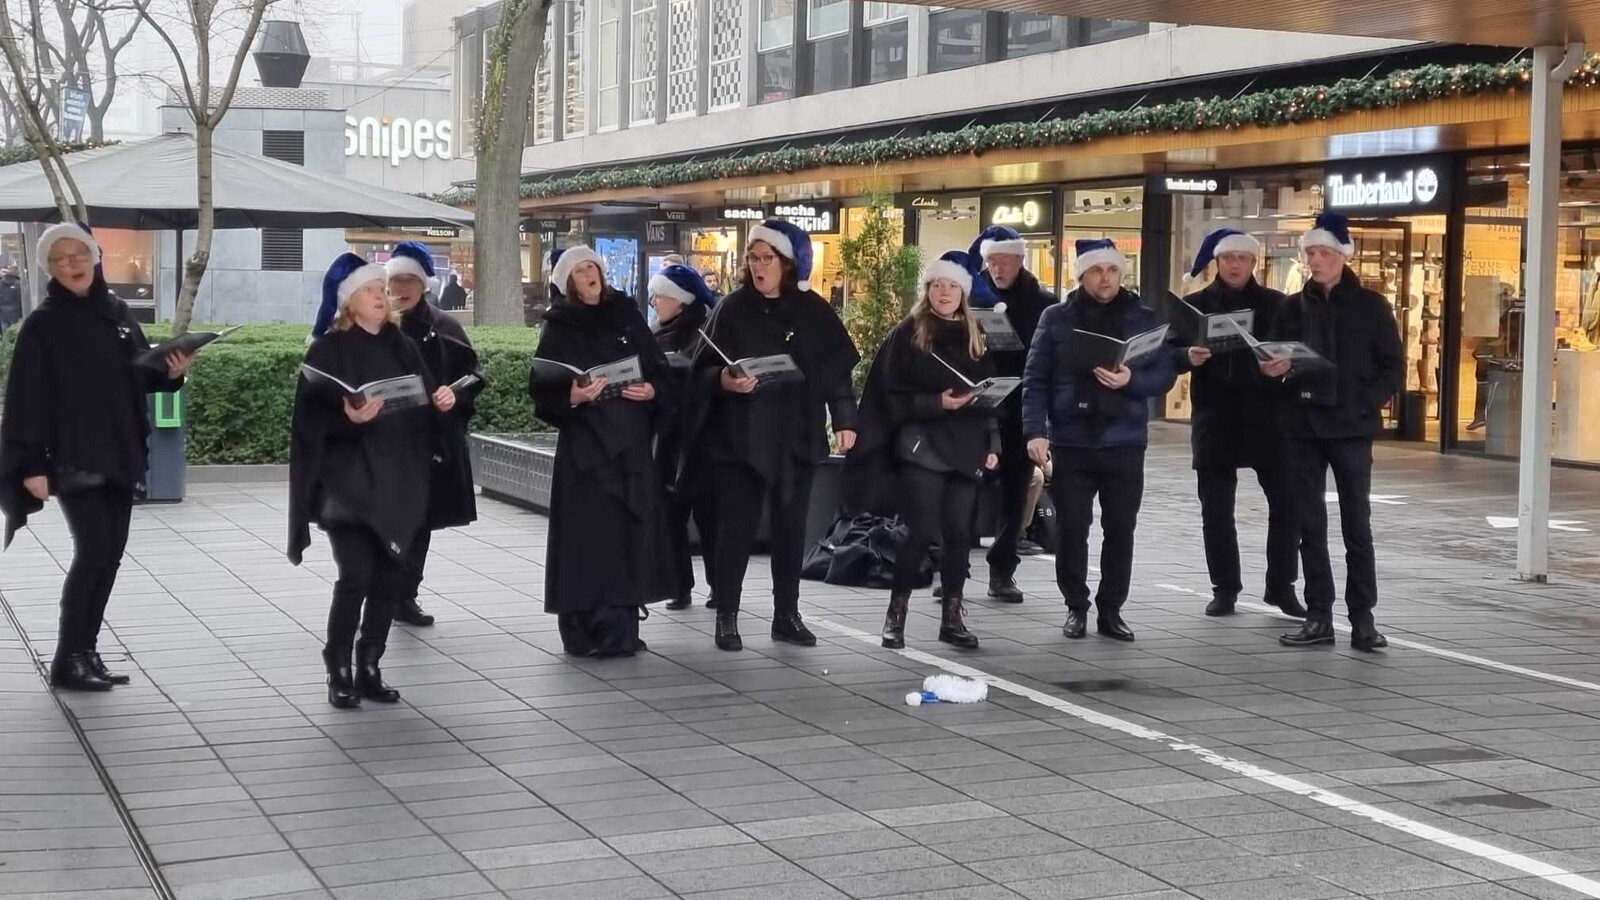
[
  {"x": 763, "y": 259},
  {"x": 70, "y": 257}
]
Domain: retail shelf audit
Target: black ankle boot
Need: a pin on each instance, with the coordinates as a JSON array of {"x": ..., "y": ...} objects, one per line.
[
  {"x": 894, "y": 622},
  {"x": 341, "y": 679},
  {"x": 952, "y": 630},
  {"x": 99, "y": 667},
  {"x": 409, "y": 612},
  {"x": 1313, "y": 633},
  {"x": 369, "y": 679},
  {"x": 788, "y": 627},
  {"x": 682, "y": 601},
  {"x": 72, "y": 672},
  {"x": 728, "y": 630}
]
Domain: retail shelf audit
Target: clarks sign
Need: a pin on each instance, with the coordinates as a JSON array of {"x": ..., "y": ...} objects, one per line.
[{"x": 1388, "y": 186}]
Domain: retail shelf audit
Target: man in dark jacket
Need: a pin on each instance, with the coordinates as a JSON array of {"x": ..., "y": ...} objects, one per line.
[
  {"x": 1094, "y": 422},
  {"x": 10, "y": 298},
  {"x": 1007, "y": 286},
  {"x": 1235, "y": 425},
  {"x": 1330, "y": 417}
]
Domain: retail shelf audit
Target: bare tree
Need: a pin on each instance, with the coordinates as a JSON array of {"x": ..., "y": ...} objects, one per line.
[
  {"x": 29, "y": 99},
  {"x": 88, "y": 51},
  {"x": 501, "y": 139}
]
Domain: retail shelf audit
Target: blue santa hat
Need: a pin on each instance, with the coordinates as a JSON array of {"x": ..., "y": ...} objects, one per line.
[
  {"x": 682, "y": 284},
  {"x": 1102, "y": 252},
  {"x": 347, "y": 274},
  {"x": 410, "y": 258},
  {"x": 564, "y": 262},
  {"x": 791, "y": 242},
  {"x": 1331, "y": 230},
  {"x": 998, "y": 239},
  {"x": 954, "y": 265},
  {"x": 1223, "y": 240}
]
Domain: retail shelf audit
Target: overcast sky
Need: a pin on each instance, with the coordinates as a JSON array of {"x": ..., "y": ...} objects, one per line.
[{"x": 371, "y": 27}]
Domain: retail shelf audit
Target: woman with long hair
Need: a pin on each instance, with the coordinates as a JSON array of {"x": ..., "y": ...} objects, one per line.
[{"x": 917, "y": 410}]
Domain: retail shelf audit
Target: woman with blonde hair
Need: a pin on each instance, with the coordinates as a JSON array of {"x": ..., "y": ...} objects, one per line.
[{"x": 917, "y": 410}]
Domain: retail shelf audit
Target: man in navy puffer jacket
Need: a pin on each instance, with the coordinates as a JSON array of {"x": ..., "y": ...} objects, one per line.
[{"x": 1095, "y": 423}]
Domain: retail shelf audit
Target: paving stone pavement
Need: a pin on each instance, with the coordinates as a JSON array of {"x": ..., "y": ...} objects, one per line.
[{"x": 784, "y": 773}]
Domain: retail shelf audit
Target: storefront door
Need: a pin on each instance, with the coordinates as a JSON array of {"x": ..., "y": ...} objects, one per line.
[{"x": 1382, "y": 262}]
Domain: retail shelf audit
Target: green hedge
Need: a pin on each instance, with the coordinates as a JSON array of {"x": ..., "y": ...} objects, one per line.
[{"x": 240, "y": 391}]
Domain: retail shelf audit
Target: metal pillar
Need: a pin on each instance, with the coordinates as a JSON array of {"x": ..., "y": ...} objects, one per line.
[{"x": 1550, "y": 73}]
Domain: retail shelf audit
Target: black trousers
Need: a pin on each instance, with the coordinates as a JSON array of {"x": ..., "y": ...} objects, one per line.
[
  {"x": 1016, "y": 473},
  {"x": 738, "y": 497},
  {"x": 1218, "y": 488},
  {"x": 98, "y": 519},
  {"x": 1116, "y": 476},
  {"x": 1351, "y": 462},
  {"x": 370, "y": 583},
  {"x": 681, "y": 508},
  {"x": 937, "y": 506},
  {"x": 417, "y": 566}
]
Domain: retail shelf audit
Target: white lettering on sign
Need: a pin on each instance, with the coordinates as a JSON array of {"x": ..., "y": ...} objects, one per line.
[
  {"x": 1207, "y": 185},
  {"x": 743, "y": 214},
  {"x": 808, "y": 218},
  {"x": 1026, "y": 214},
  {"x": 397, "y": 139},
  {"x": 1412, "y": 187}
]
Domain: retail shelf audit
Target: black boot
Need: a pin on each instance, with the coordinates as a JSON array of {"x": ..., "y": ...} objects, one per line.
[
  {"x": 73, "y": 672},
  {"x": 1367, "y": 638},
  {"x": 99, "y": 667},
  {"x": 369, "y": 679},
  {"x": 728, "y": 630},
  {"x": 1076, "y": 625},
  {"x": 712, "y": 603},
  {"x": 894, "y": 623},
  {"x": 788, "y": 627},
  {"x": 1287, "y": 602},
  {"x": 682, "y": 601},
  {"x": 952, "y": 630},
  {"x": 409, "y": 612},
  {"x": 1221, "y": 605},
  {"x": 1311, "y": 634},
  {"x": 1111, "y": 625},
  {"x": 341, "y": 680},
  {"x": 1004, "y": 589}
]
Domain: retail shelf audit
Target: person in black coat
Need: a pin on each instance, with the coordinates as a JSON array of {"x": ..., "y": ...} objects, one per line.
[
  {"x": 758, "y": 443},
  {"x": 682, "y": 302},
  {"x": 1330, "y": 418},
  {"x": 1008, "y": 286},
  {"x": 451, "y": 360},
  {"x": 608, "y": 554},
  {"x": 361, "y": 472},
  {"x": 917, "y": 408},
  {"x": 10, "y": 298},
  {"x": 1235, "y": 423},
  {"x": 75, "y": 427}
]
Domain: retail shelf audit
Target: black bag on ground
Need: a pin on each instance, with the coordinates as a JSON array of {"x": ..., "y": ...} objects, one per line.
[
  {"x": 860, "y": 551},
  {"x": 609, "y": 631}
]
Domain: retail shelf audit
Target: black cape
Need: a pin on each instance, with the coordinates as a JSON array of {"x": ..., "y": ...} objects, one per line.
[
  {"x": 75, "y": 398},
  {"x": 449, "y": 355},
  {"x": 608, "y": 540},
  {"x": 376, "y": 473}
]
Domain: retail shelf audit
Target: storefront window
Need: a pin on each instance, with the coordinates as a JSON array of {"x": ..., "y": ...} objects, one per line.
[
  {"x": 714, "y": 252},
  {"x": 1099, "y": 213},
  {"x": 128, "y": 260}
]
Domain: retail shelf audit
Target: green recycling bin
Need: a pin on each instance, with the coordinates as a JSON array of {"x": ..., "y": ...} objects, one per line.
[{"x": 165, "y": 478}]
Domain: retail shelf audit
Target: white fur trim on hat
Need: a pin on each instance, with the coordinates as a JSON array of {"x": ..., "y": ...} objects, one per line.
[
  {"x": 68, "y": 231},
  {"x": 1017, "y": 247},
  {"x": 400, "y": 264},
  {"x": 1239, "y": 243},
  {"x": 662, "y": 286},
  {"x": 561, "y": 274},
  {"x": 1103, "y": 257},
  {"x": 1322, "y": 237},
  {"x": 774, "y": 238},
  {"x": 944, "y": 268},
  {"x": 354, "y": 281}
]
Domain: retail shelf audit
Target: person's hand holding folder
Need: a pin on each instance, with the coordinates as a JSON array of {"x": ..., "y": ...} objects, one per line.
[
  {"x": 178, "y": 364},
  {"x": 364, "y": 413},
  {"x": 582, "y": 395},
  {"x": 1276, "y": 368},
  {"x": 733, "y": 384},
  {"x": 952, "y": 401},
  {"x": 1115, "y": 379}
]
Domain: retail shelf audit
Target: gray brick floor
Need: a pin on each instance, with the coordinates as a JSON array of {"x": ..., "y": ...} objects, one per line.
[{"x": 511, "y": 771}]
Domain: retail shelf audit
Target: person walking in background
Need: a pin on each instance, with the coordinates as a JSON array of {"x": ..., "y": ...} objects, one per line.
[
  {"x": 1094, "y": 425},
  {"x": 10, "y": 298},
  {"x": 450, "y": 357},
  {"x": 1235, "y": 426},
  {"x": 1330, "y": 418},
  {"x": 75, "y": 427},
  {"x": 452, "y": 295},
  {"x": 917, "y": 410}
]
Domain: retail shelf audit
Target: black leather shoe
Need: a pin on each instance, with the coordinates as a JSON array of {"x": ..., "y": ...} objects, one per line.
[
  {"x": 1112, "y": 626},
  {"x": 1288, "y": 603},
  {"x": 938, "y": 594},
  {"x": 73, "y": 672},
  {"x": 952, "y": 628},
  {"x": 1221, "y": 605},
  {"x": 1311, "y": 634},
  {"x": 712, "y": 603},
  {"x": 369, "y": 679},
  {"x": 894, "y": 621},
  {"x": 1005, "y": 590},
  {"x": 788, "y": 628},
  {"x": 1367, "y": 638},
  {"x": 682, "y": 601},
  {"x": 409, "y": 612},
  {"x": 1077, "y": 624},
  {"x": 727, "y": 635},
  {"x": 341, "y": 680},
  {"x": 99, "y": 668}
]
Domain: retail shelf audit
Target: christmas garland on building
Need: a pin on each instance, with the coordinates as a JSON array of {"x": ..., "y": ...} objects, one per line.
[
  {"x": 1262, "y": 109},
  {"x": 21, "y": 153}
]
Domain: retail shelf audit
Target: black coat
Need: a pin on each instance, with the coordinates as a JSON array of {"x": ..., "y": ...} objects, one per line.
[
  {"x": 779, "y": 427},
  {"x": 1235, "y": 422},
  {"x": 680, "y": 335},
  {"x": 1355, "y": 328},
  {"x": 1026, "y": 301},
  {"x": 10, "y": 301},
  {"x": 376, "y": 473},
  {"x": 608, "y": 539},
  {"x": 449, "y": 356},
  {"x": 75, "y": 398}
]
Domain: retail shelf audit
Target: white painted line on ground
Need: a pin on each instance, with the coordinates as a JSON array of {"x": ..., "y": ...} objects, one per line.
[
  {"x": 1472, "y": 846},
  {"x": 1499, "y": 522}
]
